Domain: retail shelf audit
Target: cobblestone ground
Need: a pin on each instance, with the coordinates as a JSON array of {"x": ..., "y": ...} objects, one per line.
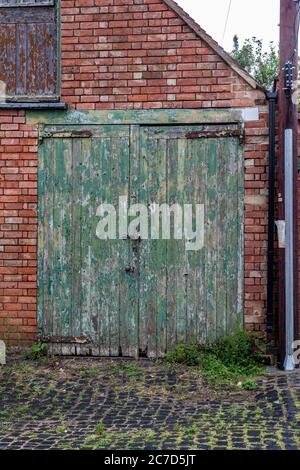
[{"x": 102, "y": 404}]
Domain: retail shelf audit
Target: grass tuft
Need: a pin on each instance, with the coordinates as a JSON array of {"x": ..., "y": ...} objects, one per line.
[{"x": 232, "y": 360}]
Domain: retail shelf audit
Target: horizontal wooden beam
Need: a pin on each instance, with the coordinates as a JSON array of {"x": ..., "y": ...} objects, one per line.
[{"x": 167, "y": 116}]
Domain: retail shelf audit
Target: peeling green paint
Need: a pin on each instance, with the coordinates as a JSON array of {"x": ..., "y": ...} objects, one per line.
[
  {"x": 167, "y": 116},
  {"x": 172, "y": 295}
]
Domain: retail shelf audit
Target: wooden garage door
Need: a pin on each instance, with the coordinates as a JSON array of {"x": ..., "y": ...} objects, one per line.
[{"x": 138, "y": 297}]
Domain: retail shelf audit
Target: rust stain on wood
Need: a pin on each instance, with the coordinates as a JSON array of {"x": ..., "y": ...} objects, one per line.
[{"x": 213, "y": 134}]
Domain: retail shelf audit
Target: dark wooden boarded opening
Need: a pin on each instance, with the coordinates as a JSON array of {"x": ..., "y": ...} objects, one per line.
[
  {"x": 29, "y": 50},
  {"x": 138, "y": 297}
]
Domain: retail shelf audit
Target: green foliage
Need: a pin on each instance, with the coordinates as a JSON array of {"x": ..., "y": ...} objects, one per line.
[
  {"x": 130, "y": 369},
  {"x": 231, "y": 360},
  {"x": 249, "y": 384},
  {"x": 100, "y": 429},
  {"x": 238, "y": 350},
  {"x": 185, "y": 354},
  {"x": 61, "y": 429},
  {"x": 37, "y": 351},
  {"x": 262, "y": 65}
]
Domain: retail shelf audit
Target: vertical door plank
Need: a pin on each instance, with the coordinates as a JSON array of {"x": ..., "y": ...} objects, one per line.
[
  {"x": 201, "y": 170},
  {"x": 115, "y": 162},
  {"x": 21, "y": 59},
  {"x": 10, "y": 58},
  {"x": 153, "y": 252},
  {"x": 194, "y": 194},
  {"x": 182, "y": 266},
  {"x": 176, "y": 282},
  {"x": 61, "y": 233},
  {"x": 211, "y": 239},
  {"x": 31, "y": 58},
  {"x": 221, "y": 292},
  {"x": 64, "y": 188},
  {"x": 97, "y": 246},
  {"x": 160, "y": 254},
  {"x": 76, "y": 320},
  {"x": 104, "y": 256},
  {"x": 41, "y": 62},
  {"x": 47, "y": 278},
  {"x": 86, "y": 239},
  {"x": 129, "y": 256}
]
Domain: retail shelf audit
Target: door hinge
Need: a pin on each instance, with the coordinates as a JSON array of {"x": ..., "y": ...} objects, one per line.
[{"x": 42, "y": 134}]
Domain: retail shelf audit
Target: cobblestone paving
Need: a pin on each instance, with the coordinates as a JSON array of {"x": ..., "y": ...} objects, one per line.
[{"x": 94, "y": 404}]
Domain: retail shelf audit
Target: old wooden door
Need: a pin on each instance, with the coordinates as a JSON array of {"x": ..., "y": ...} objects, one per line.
[{"x": 138, "y": 297}]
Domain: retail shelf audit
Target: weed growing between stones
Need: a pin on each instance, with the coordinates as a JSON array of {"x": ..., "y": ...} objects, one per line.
[
  {"x": 232, "y": 360},
  {"x": 37, "y": 351}
]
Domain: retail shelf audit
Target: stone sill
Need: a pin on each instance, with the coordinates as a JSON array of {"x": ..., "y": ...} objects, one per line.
[{"x": 39, "y": 106}]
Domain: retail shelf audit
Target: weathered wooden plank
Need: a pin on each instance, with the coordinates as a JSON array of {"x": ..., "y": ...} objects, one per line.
[
  {"x": 21, "y": 67},
  {"x": 200, "y": 170},
  {"x": 58, "y": 291},
  {"x": 194, "y": 132},
  {"x": 96, "y": 247},
  {"x": 86, "y": 238},
  {"x": 129, "y": 255},
  {"x": 221, "y": 292},
  {"x": 85, "y": 131},
  {"x": 159, "y": 257},
  {"x": 64, "y": 200},
  {"x": 116, "y": 161},
  {"x": 41, "y": 59},
  {"x": 181, "y": 271},
  {"x": 45, "y": 242},
  {"x": 104, "y": 256},
  {"x": 26, "y": 15},
  {"x": 31, "y": 59},
  {"x": 147, "y": 284},
  {"x": 194, "y": 194},
  {"x": 153, "y": 184},
  {"x": 160, "y": 117},
  {"x": 76, "y": 234},
  {"x": 9, "y": 66},
  {"x": 176, "y": 283},
  {"x": 211, "y": 238}
]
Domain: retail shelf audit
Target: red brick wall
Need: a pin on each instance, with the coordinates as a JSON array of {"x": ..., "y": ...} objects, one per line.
[
  {"x": 126, "y": 54},
  {"x": 18, "y": 203},
  {"x": 137, "y": 54},
  {"x": 256, "y": 220}
]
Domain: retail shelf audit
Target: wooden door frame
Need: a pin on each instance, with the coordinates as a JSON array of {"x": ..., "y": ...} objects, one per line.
[{"x": 140, "y": 117}]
